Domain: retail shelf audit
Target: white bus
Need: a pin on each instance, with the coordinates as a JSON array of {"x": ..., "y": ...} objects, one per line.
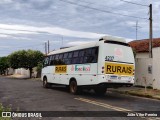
[{"x": 107, "y": 63}]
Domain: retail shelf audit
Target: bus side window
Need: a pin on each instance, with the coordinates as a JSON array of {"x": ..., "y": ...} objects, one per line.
[
  {"x": 60, "y": 59},
  {"x": 52, "y": 60},
  {"x": 46, "y": 62},
  {"x": 65, "y": 55},
  {"x": 75, "y": 59},
  {"x": 88, "y": 52},
  {"x": 95, "y": 54},
  {"x": 91, "y": 55},
  {"x": 75, "y": 54},
  {"x": 81, "y": 60},
  {"x": 61, "y": 56},
  {"x": 69, "y": 60},
  {"x": 87, "y": 56},
  {"x": 65, "y": 58},
  {"x": 70, "y": 54},
  {"x": 56, "y": 59},
  {"x": 81, "y": 53},
  {"x": 81, "y": 56}
]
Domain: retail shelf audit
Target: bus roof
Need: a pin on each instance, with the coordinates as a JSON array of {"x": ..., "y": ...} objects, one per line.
[
  {"x": 112, "y": 38},
  {"x": 87, "y": 45},
  {"x": 83, "y": 46}
]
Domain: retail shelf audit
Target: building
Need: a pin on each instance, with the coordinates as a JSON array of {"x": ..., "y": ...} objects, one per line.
[{"x": 147, "y": 72}]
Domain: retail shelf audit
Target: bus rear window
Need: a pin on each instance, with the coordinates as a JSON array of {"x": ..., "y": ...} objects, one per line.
[{"x": 117, "y": 42}]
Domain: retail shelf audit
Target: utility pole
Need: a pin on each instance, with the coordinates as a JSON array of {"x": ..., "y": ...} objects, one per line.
[
  {"x": 48, "y": 46},
  {"x": 62, "y": 42},
  {"x": 137, "y": 29},
  {"x": 150, "y": 25},
  {"x": 45, "y": 46},
  {"x": 150, "y": 31}
]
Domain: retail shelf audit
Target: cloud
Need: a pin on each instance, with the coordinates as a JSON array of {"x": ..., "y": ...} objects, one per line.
[
  {"x": 3, "y": 36},
  {"x": 5, "y": 1},
  {"x": 25, "y": 29},
  {"x": 15, "y": 31},
  {"x": 4, "y": 46},
  {"x": 25, "y": 22}
]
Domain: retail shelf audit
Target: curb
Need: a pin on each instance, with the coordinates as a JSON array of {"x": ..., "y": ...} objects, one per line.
[{"x": 136, "y": 94}]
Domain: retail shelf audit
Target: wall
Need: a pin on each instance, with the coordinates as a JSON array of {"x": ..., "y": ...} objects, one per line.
[
  {"x": 26, "y": 73},
  {"x": 156, "y": 67},
  {"x": 10, "y": 71},
  {"x": 141, "y": 71},
  {"x": 22, "y": 71},
  {"x": 142, "y": 75},
  {"x": 142, "y": 55}
]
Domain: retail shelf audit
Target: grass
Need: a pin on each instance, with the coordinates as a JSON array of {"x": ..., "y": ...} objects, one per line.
[
  {"x": 149, "y": 93},
  {"x": 3, "y": 109}
]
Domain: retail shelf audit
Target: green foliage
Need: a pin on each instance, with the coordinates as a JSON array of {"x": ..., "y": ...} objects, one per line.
[
  {"x": 25, "y": 59},
  {"x": 39, "y": 67},
  {"x": 34, "y": 57},
  {"x": 4, "y": 64}
]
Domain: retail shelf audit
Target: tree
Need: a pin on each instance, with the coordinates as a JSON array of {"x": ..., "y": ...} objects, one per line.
[
  {"x": 39, "y": 69},
  {"x": 25, "y": 59},
  {"x": 3, "y": 65}
]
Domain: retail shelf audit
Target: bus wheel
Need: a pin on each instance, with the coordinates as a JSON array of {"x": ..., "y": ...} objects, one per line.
[
  {"x": 73, "y": 88},
  {"x": 45, "y": 83},
  {"x": 100, "y": 91}
]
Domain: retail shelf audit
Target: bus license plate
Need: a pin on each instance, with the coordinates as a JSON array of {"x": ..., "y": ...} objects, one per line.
[{"x": 113, "y": 77}]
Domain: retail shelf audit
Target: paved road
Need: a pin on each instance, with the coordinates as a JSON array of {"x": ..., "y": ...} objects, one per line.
[{"x": 29, "y": 95}]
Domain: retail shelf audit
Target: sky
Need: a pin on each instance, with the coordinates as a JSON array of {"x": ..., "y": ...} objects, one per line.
[{"x": 28, "y": 24}]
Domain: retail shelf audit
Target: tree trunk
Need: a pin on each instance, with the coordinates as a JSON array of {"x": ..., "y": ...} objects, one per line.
[{"x": 30, "y": 70}]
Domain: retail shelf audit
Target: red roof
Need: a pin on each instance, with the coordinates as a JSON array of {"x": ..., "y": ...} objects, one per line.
[{"x": 143, "y": 45}]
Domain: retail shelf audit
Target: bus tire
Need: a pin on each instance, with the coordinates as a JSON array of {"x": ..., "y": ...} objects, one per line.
[
  {"x": 73, "y": 88},
  {"x": 45, "y": 83},
  {"x": 100, "y": 91}
]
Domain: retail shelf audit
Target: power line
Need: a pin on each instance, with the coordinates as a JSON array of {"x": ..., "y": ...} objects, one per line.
[
  {"x": 91, "y": 3},
  {"x": 135, "y": 3},
  {"x": 110, "y": 12},
  {"x": 86, "y": 2}
]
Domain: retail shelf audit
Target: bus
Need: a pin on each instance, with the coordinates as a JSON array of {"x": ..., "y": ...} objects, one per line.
[{"x": 107, "y": 63}]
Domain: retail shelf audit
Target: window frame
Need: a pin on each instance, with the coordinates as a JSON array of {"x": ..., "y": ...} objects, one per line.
[{"x": 69, "y": 60}]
